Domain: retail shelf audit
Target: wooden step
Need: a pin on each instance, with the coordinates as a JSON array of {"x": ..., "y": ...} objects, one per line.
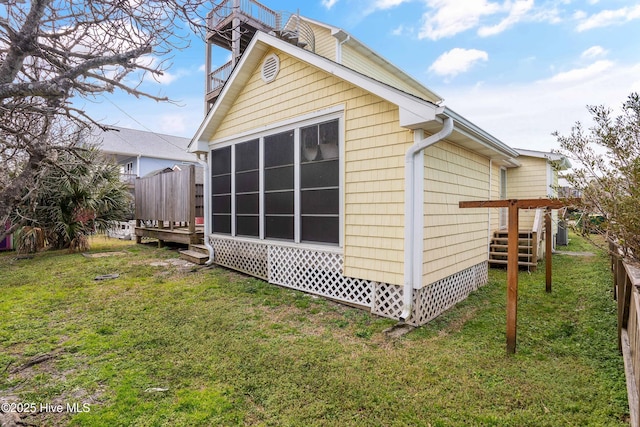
[
  {"x": 497, "y": 246},
  {"x": 520, "y": 254},
  {"x": 505, "y": 233},
  {"x": 194, "y": 257},
  {"x": 199, "y": 248},
  {"x": 506, "y": 239},
  {"x": 520, "y": 263}
]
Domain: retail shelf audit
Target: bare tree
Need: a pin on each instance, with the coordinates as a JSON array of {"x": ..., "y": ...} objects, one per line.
[{"x": 54, "y": 53}]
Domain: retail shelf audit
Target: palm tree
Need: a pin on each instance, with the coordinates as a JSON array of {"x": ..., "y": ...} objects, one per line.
[{"x": 80, "y": 195}]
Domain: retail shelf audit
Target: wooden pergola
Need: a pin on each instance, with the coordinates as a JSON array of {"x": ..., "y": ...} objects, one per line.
[{"x": 514, "y": 205}]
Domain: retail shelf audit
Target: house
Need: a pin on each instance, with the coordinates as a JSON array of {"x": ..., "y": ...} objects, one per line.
[
  {"x": 140, "y": 153},
  {"x": 333, "y": 172}
]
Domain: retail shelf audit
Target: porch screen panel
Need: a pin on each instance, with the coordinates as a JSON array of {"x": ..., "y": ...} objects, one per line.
[
  {"x": 279, "y": 186},
  {"x": 247, "y": 174},
  {"x": 320, "y": 183},
  {"x": 221, "y": 190}
]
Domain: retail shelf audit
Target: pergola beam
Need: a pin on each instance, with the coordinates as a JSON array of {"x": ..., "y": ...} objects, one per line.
[{"x": 514, "y": 206}]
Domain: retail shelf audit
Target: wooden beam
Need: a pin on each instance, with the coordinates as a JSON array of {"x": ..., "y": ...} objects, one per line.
[
  {"x": 514, "y": 206},
  {"x": 548, "y": 247},
  {"x": 512, "y": 277},
  {"x": 521, "y": 203}
]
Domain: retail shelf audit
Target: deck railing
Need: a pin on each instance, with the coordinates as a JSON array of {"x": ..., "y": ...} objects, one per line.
[
  {"x": 128, "y": 178},
  {"x": 250, "y": 8},
  {"x": 286, "y": 25},
  {"x": 218, "y": 77},
  {"x": 626, "y": 279}
]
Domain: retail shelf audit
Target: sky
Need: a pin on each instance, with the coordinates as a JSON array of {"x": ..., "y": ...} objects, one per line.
[{"x": 519, "y": 69}]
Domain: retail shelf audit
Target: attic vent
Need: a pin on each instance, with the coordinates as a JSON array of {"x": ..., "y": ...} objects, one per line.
[{"x": 270, "y": 68}]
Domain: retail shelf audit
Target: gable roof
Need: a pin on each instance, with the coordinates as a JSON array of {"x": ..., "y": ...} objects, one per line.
[
  {"x": 558, "y": 159},
  {"x": 133, "y": 142},
  {"x": 415, "y": 113},
  {"x": 348, "y": 39}
]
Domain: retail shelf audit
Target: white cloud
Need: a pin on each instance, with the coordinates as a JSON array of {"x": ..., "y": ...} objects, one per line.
[
  {"x": 594, "y": 52},
  {"x": 165, "y": 78},
  {"x": 607, "y": 18},
  {"x": 173, "y": 124},
  {"x": 447, "y": 18},
  {"x": 398, "y": 31},
  {"x": 581, "y": 74},
  {"x": 387, "y": 4},
  {"x": 457, "y": 61},
  {"x": 329, "y": 3},
  {"x": 450, "y": 17},
  {"x": 524, "y": 115},
  {"x": 518, "y": 10}
]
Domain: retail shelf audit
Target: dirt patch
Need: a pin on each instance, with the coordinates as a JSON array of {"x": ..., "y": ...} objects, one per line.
[
  {"x": 103, "y": 254},
  {"x": 457, "y": 324},
  {"x": 579, "y": 254},
  {"x": 57, "y": 410}
]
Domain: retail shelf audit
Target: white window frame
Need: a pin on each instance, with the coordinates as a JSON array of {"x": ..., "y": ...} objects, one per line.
[{"x": 294, "y": 124}]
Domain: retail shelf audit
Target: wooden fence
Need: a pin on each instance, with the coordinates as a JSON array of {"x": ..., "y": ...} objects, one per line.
[
  {"x": 166, "y": 206},
  {"x": 626, "y": 278}
]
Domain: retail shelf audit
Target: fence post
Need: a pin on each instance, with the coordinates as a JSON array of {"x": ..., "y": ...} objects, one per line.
[{"x": 623, "y": 298}]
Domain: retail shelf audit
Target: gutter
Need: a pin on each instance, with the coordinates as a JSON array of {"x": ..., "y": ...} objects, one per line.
[
  {"x": 207, "y": 210},
  {"x": 413, "y": 213}
]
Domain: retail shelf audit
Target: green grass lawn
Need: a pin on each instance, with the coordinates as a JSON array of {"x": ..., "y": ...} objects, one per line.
[{"x": 227, "y": 349}]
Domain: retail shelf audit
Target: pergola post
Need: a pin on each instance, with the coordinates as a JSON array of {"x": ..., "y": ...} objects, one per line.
[
  {"x": 512, "y": 276},
  {"x": 548, "y": 247},
  {"x": 512, "y": 251}
]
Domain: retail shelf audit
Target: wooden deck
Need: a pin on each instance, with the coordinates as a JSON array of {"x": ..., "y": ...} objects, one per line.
[
  {"x": 177, "y": 235},
  {"x": 167, "y": 207}
]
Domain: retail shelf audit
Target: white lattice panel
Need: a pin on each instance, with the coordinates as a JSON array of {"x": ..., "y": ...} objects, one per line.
[
  {"x": 482, "y": 274},
  {"x": 248, "y": 257},
  {"x": 432, "y": 300},
  {"x": 316, "y": 272},
  {"x": 387, "y": 300}
]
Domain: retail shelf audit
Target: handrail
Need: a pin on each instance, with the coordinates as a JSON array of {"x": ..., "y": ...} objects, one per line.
[
  {"x": 538, "y": 223},
  {"x": 250, "y": 8},
  {"x": 218, "y": 77},
  {"x": 292, "y": 23}
]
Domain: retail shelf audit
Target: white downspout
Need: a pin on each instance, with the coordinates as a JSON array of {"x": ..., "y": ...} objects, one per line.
[
  {"x": 489, "y": 210},
  {"x": 409, "y": 213},
  {"x": 206, "y": 199},
  {"x": 339, "y": 49}
]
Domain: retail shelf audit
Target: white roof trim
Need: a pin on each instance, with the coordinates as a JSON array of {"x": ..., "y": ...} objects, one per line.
[
  {"x": 472, "y": 131},
  {"x": 561, "y": 160},
  {"x": 416, "y": 110}
]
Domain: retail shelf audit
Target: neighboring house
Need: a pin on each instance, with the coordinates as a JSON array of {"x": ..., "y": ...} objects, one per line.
[
  {"x": 525, "y": 181},
  {"x": 140, "y": 153},
  {"x": 312, "y": 185}
]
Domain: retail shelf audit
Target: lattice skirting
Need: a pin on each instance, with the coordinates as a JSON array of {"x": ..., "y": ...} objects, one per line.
[
  {"x": 321, "y": 272},
  {"x": 432, "y": 300},
  {"x": 311, "y": 270}
]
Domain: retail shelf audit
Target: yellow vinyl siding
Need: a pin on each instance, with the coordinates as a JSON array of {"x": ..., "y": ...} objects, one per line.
[
  {"x": 325, "y": 42},
  {"x": 454, "y": 238},
  {"x": 374, "y": 149},
  {"x": 529, "y": 181},
  {"x": 495, "y": 195},
  {"x": 360, "y": 63}
]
